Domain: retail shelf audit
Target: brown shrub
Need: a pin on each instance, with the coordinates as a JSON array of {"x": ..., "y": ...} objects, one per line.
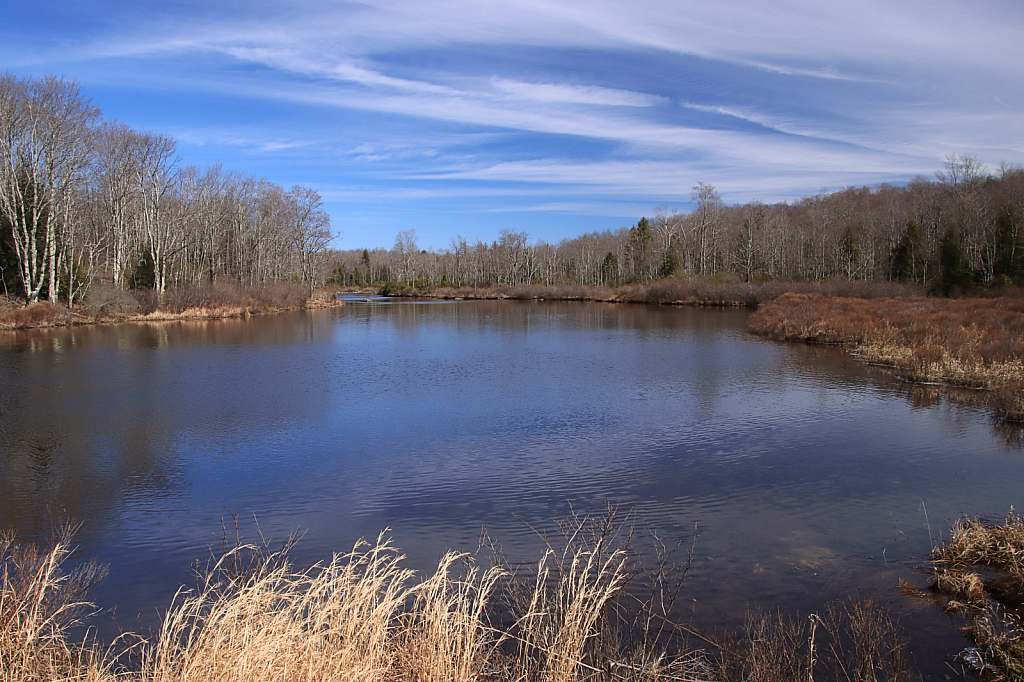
[
  {"x": 222, "y": 295},
  {"x": 38, "y": 314}
]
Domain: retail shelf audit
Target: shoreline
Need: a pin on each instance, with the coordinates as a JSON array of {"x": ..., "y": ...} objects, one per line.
[
  {"x": 975, "y": 343},
  {"x": 234, "y": 302},
  {"x": 42, "y": 315},
  {"x": 674, "y": 291},
  {"x": 961, "y": 343}
]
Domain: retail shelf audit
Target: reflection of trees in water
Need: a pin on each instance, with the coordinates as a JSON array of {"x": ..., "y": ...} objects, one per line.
[
  {"x": 830, "y": 361},
  {"x": 82, "y": 432},
  {"x": 924, "y": 396},
  {"x": 69, "y": 460},
  {"x": 277, "y": 329},
  {"x": 1011, "y": 433}
]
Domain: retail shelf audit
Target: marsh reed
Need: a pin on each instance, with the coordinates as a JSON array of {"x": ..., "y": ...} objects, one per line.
[
  {"x": 995, "y": 605},
  {"x": 975, "y": 343},
  {"x": 570, "y": 617}
]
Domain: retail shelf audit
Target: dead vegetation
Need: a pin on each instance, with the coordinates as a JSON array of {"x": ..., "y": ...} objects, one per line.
[
  {"x": 973, "y": 542},
  {"x": 573, "y": 616},
  {"x": 976, "y": 343},
  {"x": 672, "y": 291},
  {"x": 853, "y": 642},
  {"x": 39, "y": 603},
  {"x": 994, "y": 604},
  {"x": 186, "y": 302}
]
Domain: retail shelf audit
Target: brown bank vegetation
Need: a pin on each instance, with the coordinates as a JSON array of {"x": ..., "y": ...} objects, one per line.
[
  {"x": 671, "y": 291},
  {"x": 971, "y": 342},
  {"x": 186, "y": 302}
]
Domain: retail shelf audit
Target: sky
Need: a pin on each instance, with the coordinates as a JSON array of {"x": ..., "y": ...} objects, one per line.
[{"x": 555, "y": 118}]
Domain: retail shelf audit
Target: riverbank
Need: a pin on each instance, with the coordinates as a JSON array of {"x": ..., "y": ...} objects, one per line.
[
  {"x": 974, "y": 343},
  {"x": 107, "y": 305},
  {"x": 675, "y": 291}
]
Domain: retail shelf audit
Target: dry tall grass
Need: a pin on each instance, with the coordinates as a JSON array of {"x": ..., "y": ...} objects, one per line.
[
  {"x": 996, "y": 628},
  {"x": 973, "y": 542},
  {"x": 363, "y": 616},
  {"x": 853, "y": 642},
  {"x": 978, "y": 343},
  {"x": 39, "y": 603}
]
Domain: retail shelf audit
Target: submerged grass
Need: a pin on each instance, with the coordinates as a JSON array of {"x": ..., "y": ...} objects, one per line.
[
  {"x": 364, "y": 616},
  {"x": 996, "y": 603},
  {"x": 976, "y": 343}
]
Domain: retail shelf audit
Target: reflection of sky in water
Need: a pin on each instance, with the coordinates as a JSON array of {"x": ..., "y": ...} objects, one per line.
[{"x": 803, "y": 471}]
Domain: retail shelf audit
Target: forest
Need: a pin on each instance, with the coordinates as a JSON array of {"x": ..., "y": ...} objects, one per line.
[
  {"x": 956, "y": 234},
  {"x": 86, "y": 200}
]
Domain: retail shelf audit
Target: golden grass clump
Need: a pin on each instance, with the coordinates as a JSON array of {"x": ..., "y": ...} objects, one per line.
[
  {"x": 39, "y": 603},
  {"x": 445, "y": 635},
  {"x": 996, "y": 629},
  {"x": 973, "y": 542},
  {"x": 363, "y": 616},
  {"x": 331, "y": 622},
  {"x": 965, "y": 587}
]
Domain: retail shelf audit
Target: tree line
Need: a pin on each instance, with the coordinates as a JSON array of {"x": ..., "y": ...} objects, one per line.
[
  {"x": 84, "y": 199},
  {"x": 960, "y": 230}
]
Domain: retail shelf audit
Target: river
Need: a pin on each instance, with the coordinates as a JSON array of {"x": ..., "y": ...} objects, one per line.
[{"x": 803, "y": 475}]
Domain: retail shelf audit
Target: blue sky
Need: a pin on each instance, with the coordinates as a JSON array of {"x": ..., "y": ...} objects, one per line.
[{"x": 555, "y": 118}]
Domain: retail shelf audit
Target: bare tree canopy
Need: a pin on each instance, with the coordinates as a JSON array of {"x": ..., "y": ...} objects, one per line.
[
  {"x": 883, "y": 233},
  {"x": 83, "y": 199}
]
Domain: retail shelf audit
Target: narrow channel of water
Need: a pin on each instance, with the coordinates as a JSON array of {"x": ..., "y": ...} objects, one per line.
[{"x": 805, "y": 475}]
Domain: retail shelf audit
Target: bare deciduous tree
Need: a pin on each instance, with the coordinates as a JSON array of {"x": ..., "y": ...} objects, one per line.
[{"x": 45, "y": 141}]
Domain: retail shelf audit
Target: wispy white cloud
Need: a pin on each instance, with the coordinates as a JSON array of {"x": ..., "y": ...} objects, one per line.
[
  {"x": 574, "y": 94},
  {"x": 575, "y": 100}
]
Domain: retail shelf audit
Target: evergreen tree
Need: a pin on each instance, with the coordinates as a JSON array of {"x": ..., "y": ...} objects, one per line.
[
  {"x": 1010, "y": 242},
  {"x": 10, "y": 280},
  {"x": 910, "y": 259},
  {"x": 952, "y": 273},
  {"x": 851, "y": 251},
  {"x": 671, "y": 262},
  {"x": 610, "y": 269}
]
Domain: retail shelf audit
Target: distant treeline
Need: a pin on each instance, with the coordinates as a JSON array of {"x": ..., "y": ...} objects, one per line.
[
  {"x": 958, "y": 232},
  {"x": 83, "y": 198}
]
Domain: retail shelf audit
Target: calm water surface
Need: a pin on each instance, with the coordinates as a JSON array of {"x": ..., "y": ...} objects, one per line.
[{"x": 804, "y": 474}]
